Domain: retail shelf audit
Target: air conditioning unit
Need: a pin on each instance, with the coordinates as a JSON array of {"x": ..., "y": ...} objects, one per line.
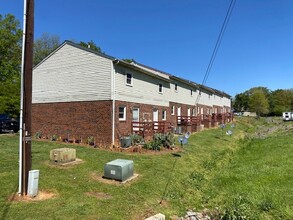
[
  {"x": 125, "y": 142},
  {"x": 119, "y": 169},
  {"x": 63, "y": 155}
]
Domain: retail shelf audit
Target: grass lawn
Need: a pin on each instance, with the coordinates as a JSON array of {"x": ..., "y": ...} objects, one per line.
[{"x": 248, "y": 174}]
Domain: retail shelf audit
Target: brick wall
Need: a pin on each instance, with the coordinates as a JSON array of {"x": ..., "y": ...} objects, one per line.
[
  {"x": 123, "y": 128},
  {"x": 74, "y": 120}
]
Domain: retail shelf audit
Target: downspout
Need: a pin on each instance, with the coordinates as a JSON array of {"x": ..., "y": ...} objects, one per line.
[
  {"x": 21, "y": 101},
  {"x": 113, "y": 103}
]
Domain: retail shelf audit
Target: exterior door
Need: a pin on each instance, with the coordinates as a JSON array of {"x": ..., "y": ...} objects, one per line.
[
  {"x": 155, "y": 118},
  {"x": 178, "y": 115},
  {"x": 188, "y": 114},
  {"x": 135, "y": 118}
]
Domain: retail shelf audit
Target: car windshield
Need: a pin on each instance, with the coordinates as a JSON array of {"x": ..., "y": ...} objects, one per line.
[{"x": 4, "y": 116}]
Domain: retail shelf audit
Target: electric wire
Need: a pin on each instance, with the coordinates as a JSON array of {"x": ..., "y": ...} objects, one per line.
[{"x": 216, "y": 48}]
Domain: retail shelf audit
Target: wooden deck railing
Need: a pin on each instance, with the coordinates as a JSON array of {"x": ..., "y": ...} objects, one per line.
[
  {"x": 149, "y": 128},
  {"x": 195, "y": 120}
]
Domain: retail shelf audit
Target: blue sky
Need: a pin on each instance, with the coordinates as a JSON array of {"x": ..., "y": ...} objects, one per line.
[{"x": 178, "y": 36}]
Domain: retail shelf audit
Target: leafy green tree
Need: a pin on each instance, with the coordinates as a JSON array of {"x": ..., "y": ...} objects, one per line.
[
  {"x": 129, "y": 60},
  {"x": 281, "y": 101},
  {"x": 10, "y": 64},
  {"x": 10, "y": 47},
  {"x": 91, "y": 45},
  {"x": 258, "y": 102},
  {"x": 44, "y": 46},
  {"x": 241, "y": 102}
]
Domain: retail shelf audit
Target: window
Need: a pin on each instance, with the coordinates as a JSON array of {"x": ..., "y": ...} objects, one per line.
[
  {"x": 164, "y": 116},
  {"x": 176, "y": 87},
  {"x": 173, "y": 110},
  {"x": 129, "y": 79},
  {"x": 191, "y": 92},
  {"x": 160, "y": 88},
  {"x": 122, "y": 113}
]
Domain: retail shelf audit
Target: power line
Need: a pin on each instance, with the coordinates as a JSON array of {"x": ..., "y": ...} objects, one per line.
[{"x": 216, "y": 48}]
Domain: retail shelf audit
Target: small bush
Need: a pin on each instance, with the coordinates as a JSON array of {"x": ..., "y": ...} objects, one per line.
[
  {"x": 54, "y": 137},
  {"x": 90, "y": 140},
  {"x": 239, "y": 209},
  {"x": 38, "y": 135},
  {"x": 266, "y": 205},
  {"x": 136, "y": 139}
]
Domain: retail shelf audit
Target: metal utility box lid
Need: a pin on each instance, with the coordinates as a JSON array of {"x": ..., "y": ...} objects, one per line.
[
  {"x": 63, "y": 155},
  {"x": 119, "y": 169}
]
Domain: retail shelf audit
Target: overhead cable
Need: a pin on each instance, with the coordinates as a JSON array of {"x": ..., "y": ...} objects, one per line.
[{"x": 215, "y": 51}]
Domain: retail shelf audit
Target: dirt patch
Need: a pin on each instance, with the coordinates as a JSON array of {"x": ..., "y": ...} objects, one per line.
[
  {"x": 140, "y": 150},
  {"x": 64, "y": 165},
  {"x": 99, "y": 195},
  {"x": 101, "y": 179},
  {"x": 42, "y": 195}
]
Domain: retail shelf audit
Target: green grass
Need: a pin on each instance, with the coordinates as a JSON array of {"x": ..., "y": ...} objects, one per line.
[{"x": 247, "y": 174}]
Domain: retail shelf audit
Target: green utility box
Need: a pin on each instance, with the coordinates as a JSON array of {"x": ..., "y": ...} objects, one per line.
[{"x": 119, "y": 169}]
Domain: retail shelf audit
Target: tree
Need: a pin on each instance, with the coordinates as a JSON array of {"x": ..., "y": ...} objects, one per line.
[
  {"x": 129, "y": 60},
  {"x": 281, "y": 101},
  {"x": 258, "y": 102},
  {"x": 91, "y": 45},
  {"x": 44, "y": 46},
  {"x": 10, "y": 64},
  {"x": 241, "y": 102}
]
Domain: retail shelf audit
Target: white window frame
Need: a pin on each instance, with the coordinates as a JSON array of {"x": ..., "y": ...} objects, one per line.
[
  {"x": 193, "y": 112},
  {"x": 164, "y": 115},
  {"x": 173, "y": 110},
  {"x": 131, "y": 79},
  {"x": 191, "y": 92},
  {"x": 176, "y": 87},
  {"x": 124, "y": 113},
  {"x": 161, "y": 88}
]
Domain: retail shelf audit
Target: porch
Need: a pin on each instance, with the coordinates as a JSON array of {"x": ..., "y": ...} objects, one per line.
[{"x": 183, "y": 124}]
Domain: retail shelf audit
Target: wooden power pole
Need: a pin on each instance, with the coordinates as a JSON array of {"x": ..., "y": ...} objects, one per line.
[{"x": 27, "y": 94}]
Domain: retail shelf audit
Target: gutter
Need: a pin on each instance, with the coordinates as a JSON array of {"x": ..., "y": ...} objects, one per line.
[{"x": 113, "y": 102}]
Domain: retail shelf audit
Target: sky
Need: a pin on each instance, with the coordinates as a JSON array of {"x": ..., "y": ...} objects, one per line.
[{"x": 179, "y": 36}]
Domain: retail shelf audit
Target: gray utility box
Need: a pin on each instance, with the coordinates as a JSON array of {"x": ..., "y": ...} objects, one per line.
[
  {"x": 63, "y": 155},
  {"x": 119, "y": 169},
  {"x": 33, "y": 183},
  {"x": 125, "y": 142}
]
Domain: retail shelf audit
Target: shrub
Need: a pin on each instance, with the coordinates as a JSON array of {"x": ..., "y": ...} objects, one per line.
[
  {"x": 90, "y": 140},
  {"x": 38, "y": 135},
  {"x": 136, "y": 139},
  {"x": 54, "y": 137},
  {"x": 239, "y": 209}
]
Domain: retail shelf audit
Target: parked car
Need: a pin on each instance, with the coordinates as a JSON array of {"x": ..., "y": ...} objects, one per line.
[
  {"x": 287, "y": 116},
  {"x": 8, "y": 124}
]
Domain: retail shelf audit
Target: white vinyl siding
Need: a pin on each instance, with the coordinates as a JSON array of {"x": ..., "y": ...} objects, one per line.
[
  {"x": 144, "y": 89},
  {"x": 72, "y": 74}
]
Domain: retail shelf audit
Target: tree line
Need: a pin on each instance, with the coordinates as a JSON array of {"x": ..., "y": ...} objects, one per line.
[
  {"x": 264, "y": 101},
  {"x": 259, "y": 99}
]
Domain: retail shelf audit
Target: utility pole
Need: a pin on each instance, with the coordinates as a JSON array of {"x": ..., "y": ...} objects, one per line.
[{"x": 26, "y": 96}]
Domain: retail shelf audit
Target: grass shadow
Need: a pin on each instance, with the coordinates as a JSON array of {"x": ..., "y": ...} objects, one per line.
[{"x": 6, "y": 206}]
